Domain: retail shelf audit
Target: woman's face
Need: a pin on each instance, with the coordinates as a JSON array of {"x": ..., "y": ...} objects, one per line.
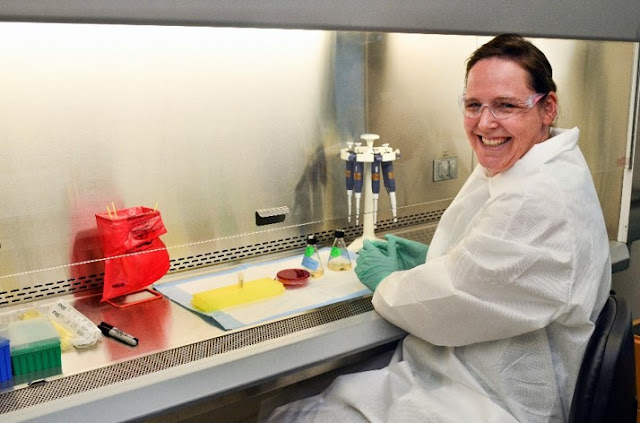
[{"x": 499, "y": 143}]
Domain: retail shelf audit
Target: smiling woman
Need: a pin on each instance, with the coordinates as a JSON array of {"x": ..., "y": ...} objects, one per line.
[
  {"x": 508, "y": 74},
  {"x": 499, "y": 143},
  {"x": 500, "y": 312}
]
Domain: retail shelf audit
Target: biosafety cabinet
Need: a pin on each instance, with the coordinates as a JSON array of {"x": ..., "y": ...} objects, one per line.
[{"x": 218, "y": 113}]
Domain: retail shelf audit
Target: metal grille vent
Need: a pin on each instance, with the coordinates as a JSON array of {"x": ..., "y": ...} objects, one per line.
[
  {"x": 61, "y": 287},
  {"x": 292, "y": 243},
  {"x": 96, "y": 281},
  {"x": 75, "y": 384}
]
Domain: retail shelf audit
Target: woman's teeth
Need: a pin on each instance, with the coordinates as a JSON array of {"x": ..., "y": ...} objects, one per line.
[{"x": 493, "y": 142}]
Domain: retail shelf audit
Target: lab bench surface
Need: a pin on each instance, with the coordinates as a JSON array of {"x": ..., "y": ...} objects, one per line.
[{"x": 182, "y": 359}]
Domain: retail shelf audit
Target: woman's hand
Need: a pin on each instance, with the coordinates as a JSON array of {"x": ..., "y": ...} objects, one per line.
[
  {"x": 376, "y": 262},
  {"x": 410, "y": 253}
]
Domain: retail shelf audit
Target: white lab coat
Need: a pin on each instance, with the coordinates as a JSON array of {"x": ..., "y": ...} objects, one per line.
[{"x": 500, "y": 314}]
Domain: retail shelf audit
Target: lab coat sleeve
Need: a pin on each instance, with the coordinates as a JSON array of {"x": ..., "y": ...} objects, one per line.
[{"x": 510, "y": 273}]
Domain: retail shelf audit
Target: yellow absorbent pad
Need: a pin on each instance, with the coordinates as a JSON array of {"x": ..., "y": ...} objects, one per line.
[{"x": 232, "y": 295}]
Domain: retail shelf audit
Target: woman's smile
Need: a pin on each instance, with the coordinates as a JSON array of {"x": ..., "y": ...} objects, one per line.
[{"x": 493, "y": 142}]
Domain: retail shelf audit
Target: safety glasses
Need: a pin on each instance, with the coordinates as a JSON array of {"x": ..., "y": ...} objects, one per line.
[{"x": 501, "y": 107}]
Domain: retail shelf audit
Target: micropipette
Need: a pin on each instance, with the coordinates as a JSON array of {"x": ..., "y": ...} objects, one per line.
[
  {"x": 390, "y": 185},
  {"x": 375, "y": 184},
  {"x": 357, "y": 187},
  {"x": 350, "y": 165}
]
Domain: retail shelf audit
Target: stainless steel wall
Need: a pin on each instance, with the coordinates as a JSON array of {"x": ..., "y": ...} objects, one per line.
[{"x": 213, "y": 124}]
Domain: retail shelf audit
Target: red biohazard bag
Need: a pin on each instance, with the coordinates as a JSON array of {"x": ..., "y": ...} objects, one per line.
[{"x": 135, "y": 255}]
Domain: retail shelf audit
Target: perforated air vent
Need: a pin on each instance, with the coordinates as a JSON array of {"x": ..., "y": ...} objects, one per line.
[{"x": 60, "y": 287}]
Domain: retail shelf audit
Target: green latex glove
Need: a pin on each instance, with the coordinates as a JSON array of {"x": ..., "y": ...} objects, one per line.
[
  {"x": 375, "y": 263},
  {"x": 410, "y": 253},
  {"x": 382, "y": 246}
]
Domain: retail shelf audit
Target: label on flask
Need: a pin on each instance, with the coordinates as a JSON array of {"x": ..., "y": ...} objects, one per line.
[
  {"x": 335, "y": 252},
  {"x": 308, "y": 252},
  {"x": 309, "y": 263}
]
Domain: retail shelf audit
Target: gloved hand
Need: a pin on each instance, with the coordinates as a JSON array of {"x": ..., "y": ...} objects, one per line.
[
  {"x": 410, "y": 253},
  {"x": 375, "y": 263},
  {"x": 382, "y": 246}
]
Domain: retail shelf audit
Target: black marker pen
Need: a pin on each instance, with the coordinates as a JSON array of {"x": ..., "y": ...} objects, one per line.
[{"x": 109, "y": 330}]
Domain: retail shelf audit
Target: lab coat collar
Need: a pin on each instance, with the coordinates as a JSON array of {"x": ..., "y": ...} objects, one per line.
[{"x": 561, "y": 140}]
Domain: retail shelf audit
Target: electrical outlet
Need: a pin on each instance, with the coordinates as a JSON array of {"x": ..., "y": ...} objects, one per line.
[{"x": 444, "y": 169}]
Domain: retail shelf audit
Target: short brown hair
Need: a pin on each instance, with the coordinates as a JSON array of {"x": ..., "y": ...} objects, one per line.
[{"x": 515, "y": 48}]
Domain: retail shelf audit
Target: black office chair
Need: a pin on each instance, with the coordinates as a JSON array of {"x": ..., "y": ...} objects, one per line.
[{"x": 606, "y": 386}]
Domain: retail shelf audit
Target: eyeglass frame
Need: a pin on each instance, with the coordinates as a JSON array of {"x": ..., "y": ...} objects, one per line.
[{"x": 523, "y": 107}]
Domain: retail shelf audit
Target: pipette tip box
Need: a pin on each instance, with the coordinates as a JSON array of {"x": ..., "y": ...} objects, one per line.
[
  {"x": 35, "y": 349},
  {"x": 5, "y": 360}
]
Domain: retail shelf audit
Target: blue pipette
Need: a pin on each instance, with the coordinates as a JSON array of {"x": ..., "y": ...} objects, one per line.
[
  {"x": 348, "y": 173},
  {"x": 375, "y": 184},
  {"x": 390, "y": 185},
  {"x": 357, "y": 186}
]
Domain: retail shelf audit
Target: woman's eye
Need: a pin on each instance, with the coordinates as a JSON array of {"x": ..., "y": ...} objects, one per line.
[
  {"x": 506, "y": 106},
  {"x": 472, "y": 106}
]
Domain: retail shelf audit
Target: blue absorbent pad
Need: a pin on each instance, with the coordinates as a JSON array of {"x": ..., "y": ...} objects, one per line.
[{"x": 333, "y": 287}]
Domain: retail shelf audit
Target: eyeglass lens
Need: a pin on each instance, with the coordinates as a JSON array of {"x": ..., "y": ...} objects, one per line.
[{"x": 501, "y": 108}]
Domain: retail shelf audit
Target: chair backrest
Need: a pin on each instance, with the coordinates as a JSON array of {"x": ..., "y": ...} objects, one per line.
[{"x": 606, "y": 390}]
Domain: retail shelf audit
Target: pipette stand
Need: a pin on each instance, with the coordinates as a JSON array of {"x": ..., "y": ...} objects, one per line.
[{"x": 365, "y": 154}]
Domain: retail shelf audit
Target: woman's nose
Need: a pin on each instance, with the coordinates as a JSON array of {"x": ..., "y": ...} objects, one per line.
[{"x": 486, "y": 118}]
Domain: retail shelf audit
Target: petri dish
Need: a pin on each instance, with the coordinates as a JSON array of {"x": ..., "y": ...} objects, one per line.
[{"x": 293, "y": 278}]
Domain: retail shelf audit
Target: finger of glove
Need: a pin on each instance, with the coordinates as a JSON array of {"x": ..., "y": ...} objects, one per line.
[
  {"x": 366, "y": 248},
  {"x": 389, "y": 237},
  {"x": 399, "y": 240},
  {"x": 392, "y": 249},
  {"x": 413, "y": 258},
  {"x": 367, "y": 245},
  {"x": 412, "y": 248},
  {"x": 409, "y": 253},
  {"x": 404, "y": 242},
  {"x": 389, "y": 261},
  {"x": 381, "y": 246},
  {"x": 369, "y": 254},
  {"x": 396, "y": 253},
  {"x": 376, "y": 243},
  {"x": 403, "y": 245},
  {"x": 371, "y": 271}
]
